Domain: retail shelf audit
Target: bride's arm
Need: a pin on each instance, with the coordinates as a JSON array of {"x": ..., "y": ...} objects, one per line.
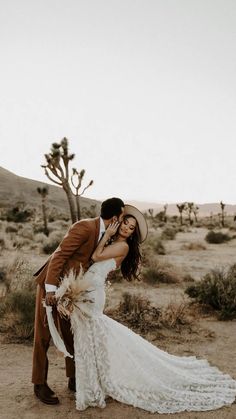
[{"x": 116, "y": 250}]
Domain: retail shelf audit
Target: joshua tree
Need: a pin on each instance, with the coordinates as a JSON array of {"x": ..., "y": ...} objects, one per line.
[
  {"x": 222, "y": 205},
  {"x": 164, "y": 212},
  {"x": 57, "y": 170},
  {"x": 150, "y": 210},
  {"x": 44, "y": 192},
  {"x": 189, "y": 210},
  {"x": 76, "y": 180},
  {"x": 181, "y": 208},
  {"x": 195, "y": 211}
]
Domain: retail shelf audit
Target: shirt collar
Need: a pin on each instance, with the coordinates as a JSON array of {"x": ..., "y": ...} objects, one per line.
[{"x": 102, "y": 227}]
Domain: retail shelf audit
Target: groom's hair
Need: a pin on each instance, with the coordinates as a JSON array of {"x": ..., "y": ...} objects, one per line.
[{"x": 111, "y": 207}]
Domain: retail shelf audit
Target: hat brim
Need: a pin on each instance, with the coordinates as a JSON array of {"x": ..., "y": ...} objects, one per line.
[{"x": 142, "y": 223}]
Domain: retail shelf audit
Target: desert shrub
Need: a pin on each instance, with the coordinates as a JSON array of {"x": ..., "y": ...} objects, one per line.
[
  {"x": 175, "y": 315},
  {"x": 38, "y": 228},
  {"x": 11, "y": 228},
  {"x": 59, "y": 225},
  {"x": 40, "y": 237},
  {"x": 18, "y": 215},
  {"x": 159, "y": 247},
  {"x": 17, "y": 314},
  {"x": 27, "y": 232},
  {"x": 154, "y": 245},
  {"x": 194, "y": 246},
  {"x": 115, "y": 276},
  {"x": 18, "y": 274},
  {"x": 20, "y": 242},
  {"x": 188, "y": 278},
  {"x": 50, "y": 246},
  {"x": 138, "y": 313},
  {"x": 157, "y": 273},
  {"x": 217, "y": 289},
  {"x": 2, "y": 243},
  {"x": 168, "y": 233},
  {"x": 52, "y": 242},
  {"x": 217, "y": 237},
  {"x": 2, "y": 274}
]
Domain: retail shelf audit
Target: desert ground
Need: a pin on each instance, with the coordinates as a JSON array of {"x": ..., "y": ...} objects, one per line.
[{"x": 206, "y": 338}]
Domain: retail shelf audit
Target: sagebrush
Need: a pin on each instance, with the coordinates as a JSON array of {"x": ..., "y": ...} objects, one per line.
[{"x": 217, "y": 290}]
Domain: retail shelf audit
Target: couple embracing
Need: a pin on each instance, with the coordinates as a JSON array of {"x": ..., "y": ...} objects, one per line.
[{"x": 109, "y": 360}]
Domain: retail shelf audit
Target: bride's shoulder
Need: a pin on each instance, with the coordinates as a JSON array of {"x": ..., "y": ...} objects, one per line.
[
  {"x": 121, "y": 244},
  {"x": 121, "y": 248}
]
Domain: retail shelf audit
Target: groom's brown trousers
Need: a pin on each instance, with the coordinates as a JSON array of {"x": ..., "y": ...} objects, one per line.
[
  {"x": 42, "y": 340},
  {"x": 75, "y": 250}
]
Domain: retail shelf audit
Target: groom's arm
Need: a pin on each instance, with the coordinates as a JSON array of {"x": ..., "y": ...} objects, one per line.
[{"x": 76, "y": 236}]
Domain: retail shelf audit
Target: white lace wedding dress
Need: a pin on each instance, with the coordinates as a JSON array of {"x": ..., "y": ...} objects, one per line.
[{"x": 113, "y": 361}]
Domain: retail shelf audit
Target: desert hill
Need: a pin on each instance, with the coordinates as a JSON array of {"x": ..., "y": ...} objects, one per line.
[
  {"x": 204, "y": 209},
  {"x": 16, "y": 189}
]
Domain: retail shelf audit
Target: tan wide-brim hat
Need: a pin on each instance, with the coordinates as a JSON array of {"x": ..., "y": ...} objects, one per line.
[{"x": 142, "y": 223}]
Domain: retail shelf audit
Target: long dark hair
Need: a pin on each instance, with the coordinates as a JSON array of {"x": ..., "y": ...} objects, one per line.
[{"x": 130, "y": 265}]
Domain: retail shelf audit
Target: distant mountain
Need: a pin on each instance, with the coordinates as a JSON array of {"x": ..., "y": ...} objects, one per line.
[
  {"x": 16, "y": 189},
  {"x": 204, "y": 209}
]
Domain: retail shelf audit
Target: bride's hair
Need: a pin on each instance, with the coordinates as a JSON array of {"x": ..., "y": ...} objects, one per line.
[{"x": 130, "y": 265}]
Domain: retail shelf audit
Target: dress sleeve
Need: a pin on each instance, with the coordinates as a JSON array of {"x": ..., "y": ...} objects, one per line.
[{"x": 75, "y": 237}]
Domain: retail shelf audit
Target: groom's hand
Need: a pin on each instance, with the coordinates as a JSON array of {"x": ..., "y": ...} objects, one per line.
[{"x": 50, "y": 299}]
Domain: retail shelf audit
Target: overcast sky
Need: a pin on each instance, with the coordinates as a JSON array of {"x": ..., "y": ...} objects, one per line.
[{"x": 145, "y": 90}]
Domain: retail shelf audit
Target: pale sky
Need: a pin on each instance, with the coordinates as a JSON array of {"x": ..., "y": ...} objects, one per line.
[{"x": 145, "y": 90}]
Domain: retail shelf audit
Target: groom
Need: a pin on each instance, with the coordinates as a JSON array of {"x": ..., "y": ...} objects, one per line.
[{"x": 74, "y": 250}]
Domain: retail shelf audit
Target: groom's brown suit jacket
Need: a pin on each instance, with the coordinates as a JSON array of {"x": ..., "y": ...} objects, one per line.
[{"x": 75, "y": 250}]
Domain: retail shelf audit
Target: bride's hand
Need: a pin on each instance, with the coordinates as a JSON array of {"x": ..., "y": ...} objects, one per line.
[{"x": 112, "y": 229}]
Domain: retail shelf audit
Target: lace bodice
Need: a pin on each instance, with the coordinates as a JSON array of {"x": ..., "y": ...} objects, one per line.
[
  {"x": 94, "y": 299},
  {"x": 98, "y": 272}
]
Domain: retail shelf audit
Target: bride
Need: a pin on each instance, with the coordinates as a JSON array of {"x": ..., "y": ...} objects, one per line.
[{"x": 111, "y": 360}]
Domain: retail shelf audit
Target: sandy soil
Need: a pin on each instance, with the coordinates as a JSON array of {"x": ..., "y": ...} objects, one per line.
[
  {"x": 215, "y": 341},
  {"x": 17, "y": 399},
  {"x": 198, "y": 262}
]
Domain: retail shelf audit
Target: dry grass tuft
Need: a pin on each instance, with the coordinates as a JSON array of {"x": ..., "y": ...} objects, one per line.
[
  {"x": 27, "y": 232},
  {"x": 157, "y": 272},
  {"x": 153, "y": 245},
  {"x": 137, "y": 313},
  {"x": 18, "y": 304},
  {"x": 18, "y": 274},
  {"x": 17, "y": 315},
  {"x": 193, "y": 246},
  {"x": 218, "y": 291},
  {"x": 169, "y": 233},
  {"x": 52, "y": 242}
]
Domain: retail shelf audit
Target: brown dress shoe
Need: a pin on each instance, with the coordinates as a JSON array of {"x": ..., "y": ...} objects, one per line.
[
  {"x": 50, "y": 391},
  {"x": 41, "y": 391},
  {"x": 72, "y": 384}
]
